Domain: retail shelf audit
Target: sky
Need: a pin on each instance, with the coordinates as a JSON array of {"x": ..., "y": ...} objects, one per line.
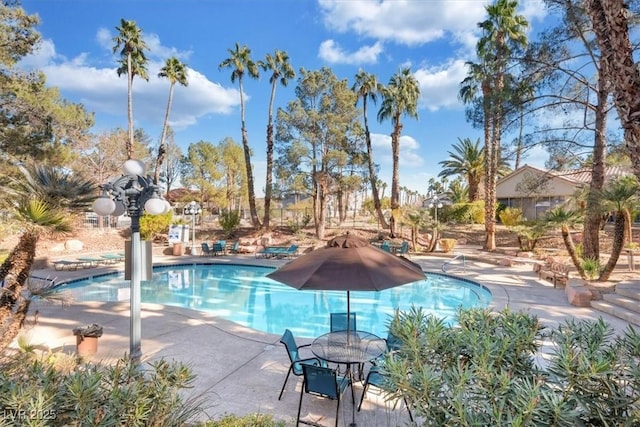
[{"x": 435, "y": 38}]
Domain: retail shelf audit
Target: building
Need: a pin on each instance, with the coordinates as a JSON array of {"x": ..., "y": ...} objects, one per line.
[{"x": 535, "y": 191}]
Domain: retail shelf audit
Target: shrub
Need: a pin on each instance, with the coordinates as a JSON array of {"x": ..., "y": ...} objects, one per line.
[
  {"x": 485, "y": 370},
  {"x": 229, "y": 221},
  {"x": 529, "y": 233},
  {"x": 77, "y": 393},
  {"x": 510, "y": 217},
  {"x": 447, "y": 245},
  {"x": 253, "y": 420},
  {"x": 463, "y": 213},
  {"x": 591, "y": 267},
  {"x": 153, "y": 225}
]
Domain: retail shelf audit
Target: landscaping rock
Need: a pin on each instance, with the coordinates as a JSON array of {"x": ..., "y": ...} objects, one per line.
[{"x": 579, "y": 296}]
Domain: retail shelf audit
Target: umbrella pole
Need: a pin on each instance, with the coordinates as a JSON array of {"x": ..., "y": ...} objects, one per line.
[{"x": 348, "y": 315}]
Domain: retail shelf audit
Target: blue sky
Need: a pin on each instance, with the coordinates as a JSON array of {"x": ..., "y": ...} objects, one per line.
[{"x": 434, "y": 37}]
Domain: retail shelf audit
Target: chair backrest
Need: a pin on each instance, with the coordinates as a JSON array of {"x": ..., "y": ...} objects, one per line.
[
  {"x": 222, "y": 243},
  {"x": 338, "y": 322},
  {"x": 236, "y": 245},
  {"x": 405, "y": 247},
  {"x": 292, "y": 248},
  {"x": 321, "y": 381},
  {"x": 205, "y": 247},
  {"x": 393, "y": 342},
  {"x": 290, "y": 344},
  {"x": 385, "y": 246}
]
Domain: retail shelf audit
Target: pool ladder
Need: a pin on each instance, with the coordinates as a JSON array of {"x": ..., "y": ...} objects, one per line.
[{"x": 461, "y": 265}]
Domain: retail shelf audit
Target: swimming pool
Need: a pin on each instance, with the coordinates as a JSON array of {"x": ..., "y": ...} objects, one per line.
[{"x": 242, "y": 294}]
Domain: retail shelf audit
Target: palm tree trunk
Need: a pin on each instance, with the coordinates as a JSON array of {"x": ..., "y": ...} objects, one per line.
[
  {"x": 571, "y": 249},
  {"x": 269, "y": 178},
  {"x": 255, "y": 221},
  {"x": 161, "y": 148},
  {"x": 372, "y": 172},
  {"x": 616, "y": 249},
  {"x": 395, "y": 179}
]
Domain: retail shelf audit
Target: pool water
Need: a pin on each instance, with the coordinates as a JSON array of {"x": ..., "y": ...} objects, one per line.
[{"x": 242, "y": 294}]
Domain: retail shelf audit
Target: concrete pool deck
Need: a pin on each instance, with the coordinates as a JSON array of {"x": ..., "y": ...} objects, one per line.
[{"x": 239, "y": 370}]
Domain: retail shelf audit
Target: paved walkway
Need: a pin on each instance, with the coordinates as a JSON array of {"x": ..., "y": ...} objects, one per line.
[{"x": 239, "y": 370}]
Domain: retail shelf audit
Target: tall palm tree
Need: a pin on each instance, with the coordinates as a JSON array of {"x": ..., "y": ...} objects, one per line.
[
  {"x": 241, "y": 63},
  {"x": 367, "y": 87},
  {"x": 176, "y": 72},
  {"x": 619, "y": 195},
  {"x": 503, "y": 32},
  {"x": 610, "y": 22},
  {"x": 41, "y": 201},
  {"x": 467, "y": 160},
  {"x": 400, "y": 97},
  {"x": 565, "y": 219},
  {"x": 133, "y": 62},
  {"x": 281, "y": 72}
]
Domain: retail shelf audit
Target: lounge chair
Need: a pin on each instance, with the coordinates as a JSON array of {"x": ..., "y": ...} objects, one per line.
[
  {"x": 91, "y": 261},
  {"x": 270, "y": 251},
  {"x": 113, "y": 258},
  {"x": 67, "y": 264},
  {"x": 293, "y": 350},
  {"x": 323, "y": 382},
  {"x": 289, "y": 252}
]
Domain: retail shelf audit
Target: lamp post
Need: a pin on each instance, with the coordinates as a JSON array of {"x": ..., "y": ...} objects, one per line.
[
  {"x": 435, "y": 201},
  {"x": 132, "y": 193},
  {"x": 193, "y": 209}
]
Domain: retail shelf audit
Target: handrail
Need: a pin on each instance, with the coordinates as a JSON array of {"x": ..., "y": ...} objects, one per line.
[{"x": 458, "y": 255}]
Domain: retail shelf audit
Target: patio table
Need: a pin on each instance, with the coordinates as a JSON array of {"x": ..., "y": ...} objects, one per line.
[{"x": 349, "y": 348}]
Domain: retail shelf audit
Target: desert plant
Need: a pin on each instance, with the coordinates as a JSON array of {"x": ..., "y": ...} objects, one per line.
[
  {"x": 510, "y": 217},
  {"x": 482, "y": 370},
  {"x": 251, "y": 420},
  {"x": 529, "y": 233},
  {"x": 229, "y": 221},
  {"x": 88, "y": 394},
  {"x": 153, "y": 225},
  {"x": 447, "y": 245},
  {"x": 591, "y": 267}
]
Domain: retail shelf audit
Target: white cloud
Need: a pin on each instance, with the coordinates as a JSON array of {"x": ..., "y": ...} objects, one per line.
[
  {"x": 409, "y": 151},
  {"x": 439, "y": 86},
  {"x": 333, "y": 53},
  {"x": 402, "y": 21}
]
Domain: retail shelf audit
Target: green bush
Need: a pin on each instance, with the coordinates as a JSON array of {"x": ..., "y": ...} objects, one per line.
[
  {"x": 463, "y": 213},
  {"x": 510, "y": 217},
  {"x": 592, "y": 268},
  {"x": 229, "y": 221},
  {"x": 486, "y": 371},
  {"x": 447, "y": 245},
  {"x": 153, "y": 225},
  {"x": 40, "y": 390}
]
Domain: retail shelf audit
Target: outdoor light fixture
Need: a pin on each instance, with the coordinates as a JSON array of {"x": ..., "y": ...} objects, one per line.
[
  {"x": 193, "y": 209},
  {"x": 134, "y": 194}
]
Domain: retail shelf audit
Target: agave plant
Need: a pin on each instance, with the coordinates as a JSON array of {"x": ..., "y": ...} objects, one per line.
[{"x": 41, "y": 203}]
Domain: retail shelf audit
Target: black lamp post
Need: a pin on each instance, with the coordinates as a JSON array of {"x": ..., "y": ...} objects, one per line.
[{"x": 132, "y": 193}]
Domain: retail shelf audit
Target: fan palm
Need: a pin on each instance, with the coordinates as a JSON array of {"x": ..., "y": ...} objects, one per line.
[
  {"x": 41, "y": 202},
  {"x": 176, "y": 72},
  {"x": 281, "y": 72},
  {"x": 133, "y": 62},
  {"x": 565, "y": 219},
  {"x": 367, "y": 87},
  {"x": 400, "y": 97},
  {"x": 241, "y": 63},
  {"x": 619, "y": 196}
]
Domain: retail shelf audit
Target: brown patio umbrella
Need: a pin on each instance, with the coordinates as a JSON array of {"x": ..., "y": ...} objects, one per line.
[{"x": 348, "y": 263}]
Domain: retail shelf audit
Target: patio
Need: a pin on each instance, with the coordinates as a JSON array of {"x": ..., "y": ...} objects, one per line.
[{"x": 241, "y": 370}]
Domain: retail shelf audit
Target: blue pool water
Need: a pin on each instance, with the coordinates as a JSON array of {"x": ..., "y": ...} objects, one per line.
[{"x": 242, "y": 294}]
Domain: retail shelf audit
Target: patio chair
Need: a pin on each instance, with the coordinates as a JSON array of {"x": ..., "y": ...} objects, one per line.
[
  {"x": 376, "y": 378},
  {"x": 293, "y": 350},
  {"x": 386, "y": 246},
  {"x": 219, "y": 248},
  {"x": 323, "y": 382},
  {"x": 403, "y": 249},
  {"x": 206, "y": 249},
  {"x": 338, "y": 322},
  {"x": 235, "y": 248}
]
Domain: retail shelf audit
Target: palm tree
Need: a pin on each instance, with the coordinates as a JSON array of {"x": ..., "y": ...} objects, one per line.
[
  {"x": 400, "y": 97},
  {"x": 41, "y": 202},
  {"x": 467, "y": 160},
  {"x": 240, "y": 62},
  {"x": 565, "y": 219},
  {"x": 610, "y": 23},
  {"x": 502, "y": 33},
  {"x": 176, "y": 72},
  {"x": 281, "y": 72},
  {"x": 620, "y": 195},
  {"x": 367, "y": 87},
  {"x": 133, "y": 62}
]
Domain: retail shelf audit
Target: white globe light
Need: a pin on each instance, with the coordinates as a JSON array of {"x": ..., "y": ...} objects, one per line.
[
  {"x": 155, "y": 206},
  {"x": 104, "y": 206},
  {"x": 167, "y": 207},
  {"x": 119, "y": 210},
  {"x": 133, "y": 167}
]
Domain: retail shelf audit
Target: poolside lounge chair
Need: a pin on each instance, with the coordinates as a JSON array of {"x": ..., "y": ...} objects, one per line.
[
  {"x": 293, "y": 350},
  {"x": 270, "y": 251},
  {"x": 67, "y": 264},
  {"x": 113, "y": 258},
  {"x": 289, "y": 252},
  {"x": 91, "y": 261},
  {"x": 323, "y": 382}
]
